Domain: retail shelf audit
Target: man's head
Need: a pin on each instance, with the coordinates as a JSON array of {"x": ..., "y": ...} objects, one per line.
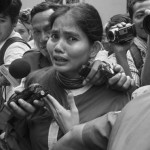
[
  {"x": 4, "y": 4},
  {"x": 9, "y": 18},
  {"x": 137, "y": 13},
  {"x": 40, "y": 24}
]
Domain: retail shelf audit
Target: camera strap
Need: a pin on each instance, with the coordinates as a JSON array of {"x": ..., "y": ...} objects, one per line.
[
  {"x": 136, "y": 55},
  {"x": 7, "y": 44}
]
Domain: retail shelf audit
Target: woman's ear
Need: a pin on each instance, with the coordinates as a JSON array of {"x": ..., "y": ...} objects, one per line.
[{"x": 97, "y": 46}]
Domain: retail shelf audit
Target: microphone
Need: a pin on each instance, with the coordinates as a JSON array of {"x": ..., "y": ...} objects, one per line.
[{"x": 19, "y": 68}]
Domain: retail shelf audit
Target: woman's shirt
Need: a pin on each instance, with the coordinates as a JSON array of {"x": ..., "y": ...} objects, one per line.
[{"x": 92, "y": 103}]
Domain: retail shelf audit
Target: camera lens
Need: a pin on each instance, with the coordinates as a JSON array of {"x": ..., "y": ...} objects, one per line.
[
  {"x": 111, "y": 36},
  {"x": 146, "y": 24}
]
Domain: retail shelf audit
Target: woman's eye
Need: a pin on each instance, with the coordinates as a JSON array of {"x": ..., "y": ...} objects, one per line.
[
  {"x": 54, "y": 36},
  {"x": 72, "y": 39}
]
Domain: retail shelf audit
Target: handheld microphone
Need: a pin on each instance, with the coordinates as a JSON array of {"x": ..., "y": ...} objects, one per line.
[
  {"x": 19, "y": 68},
  {"x": 8, "y": 76}
]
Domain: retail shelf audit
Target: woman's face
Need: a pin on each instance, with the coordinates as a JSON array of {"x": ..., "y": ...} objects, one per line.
[
  {"x": 68, "y": 46},
  {"x": 20, "y": 28}
]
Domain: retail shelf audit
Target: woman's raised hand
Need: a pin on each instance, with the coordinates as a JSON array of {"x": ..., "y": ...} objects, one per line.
[{"x": 66, "y": 119}]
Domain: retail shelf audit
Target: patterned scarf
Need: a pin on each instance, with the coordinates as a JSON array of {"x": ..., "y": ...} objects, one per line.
[{"x": 142, "y": 45}]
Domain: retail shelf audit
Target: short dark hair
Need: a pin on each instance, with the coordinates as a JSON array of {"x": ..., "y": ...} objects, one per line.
[
  {"x": 13, "y": 10},
  {"x": 43, "y": 6},
  {"x": 85, "y": 16},
  {"x": 131, "y": 4}
]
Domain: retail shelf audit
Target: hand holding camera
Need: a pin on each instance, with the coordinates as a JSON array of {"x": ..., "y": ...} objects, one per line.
[
  {"x": 23, "y": 103},
  {"x": 115, "y": 77},
  {"x": 97, "y": 73},
  {"x": 121, "y": 33},
  {"x": 33, "y": 92}
]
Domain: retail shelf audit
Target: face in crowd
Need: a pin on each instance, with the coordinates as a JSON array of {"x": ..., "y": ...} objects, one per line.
[
  {"x": 6, "y": 27},
  {"x": 139, "y": 9},
  {"x": 8, "y": 19},
  {"x": 71, "y": 43},
  {"x": 23, "y": 31},
  {"x": 41, "y": 29}
]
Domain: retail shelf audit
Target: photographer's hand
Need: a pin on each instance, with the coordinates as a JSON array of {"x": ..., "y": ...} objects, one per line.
[
  {"x": 120, "y": 81},
  {"x": 120, "y": 48},
  {"x": 94, "y": 76},
  {"x": 23, "y": 109},
  {"x": 65, "y": 118}
]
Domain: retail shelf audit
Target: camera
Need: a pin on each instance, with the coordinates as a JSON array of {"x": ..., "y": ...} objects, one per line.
[
  {"x": 33, "y": 92},
  {"x": 24, "y": 16},
  {"x": 105, "y": 70},
  {"x": 121, "y": 35},
  {"x": 146, "y": 24}
]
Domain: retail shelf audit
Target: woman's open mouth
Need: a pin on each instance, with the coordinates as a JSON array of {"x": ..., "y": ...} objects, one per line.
[{"x": 59, "y": 59}]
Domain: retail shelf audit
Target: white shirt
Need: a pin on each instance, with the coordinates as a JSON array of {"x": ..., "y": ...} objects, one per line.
[{"x": 14, "y": 51}]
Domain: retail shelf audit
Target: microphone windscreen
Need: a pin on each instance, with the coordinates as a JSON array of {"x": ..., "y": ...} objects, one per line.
[{"x": 19, "y": 68}]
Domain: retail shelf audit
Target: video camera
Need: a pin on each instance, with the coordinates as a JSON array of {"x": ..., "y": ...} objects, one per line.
[
  {"x": 121, "y": 35},
  {"x": 33, "y": 92},
  {"x": 105, "y": 70},
  {"x": 146, "y": 24}
]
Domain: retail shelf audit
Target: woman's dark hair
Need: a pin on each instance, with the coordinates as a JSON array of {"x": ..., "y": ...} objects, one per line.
[
  {"x": 13, "y": 10},
  {"x": 85, "y": 16},
  {"x": 43, "y": 7}
]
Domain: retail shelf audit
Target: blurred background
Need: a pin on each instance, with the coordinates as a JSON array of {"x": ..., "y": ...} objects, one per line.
[{"x": 106, "y": 8}]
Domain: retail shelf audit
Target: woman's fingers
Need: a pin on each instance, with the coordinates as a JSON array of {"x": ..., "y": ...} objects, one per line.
[
  {"x": 50, "y": 107},
  {"x": 71, "y": 103},
  {"x": 52, "y": 101}
]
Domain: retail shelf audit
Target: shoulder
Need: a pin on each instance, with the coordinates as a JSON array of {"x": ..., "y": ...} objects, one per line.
[
  {"x": 40, "y": 75},
  {"x": 16, "y": 44},
  {"x": 32, "y": 52}
]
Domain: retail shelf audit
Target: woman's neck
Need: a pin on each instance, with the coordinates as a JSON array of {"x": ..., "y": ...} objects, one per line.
[{"x": 68, "y": 81}]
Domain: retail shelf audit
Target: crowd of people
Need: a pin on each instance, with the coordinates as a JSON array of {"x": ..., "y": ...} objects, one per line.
[{"x": 86, "y": 106}]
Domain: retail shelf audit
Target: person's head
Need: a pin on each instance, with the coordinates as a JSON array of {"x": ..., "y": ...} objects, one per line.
[
  {"x": 137, "y": 13},
  {"x": 40, "y": 24},
  {"x": 55, "y": 1},
  {"x": 8, "y": 19},
  {"x": 23, "y": 26},
  {"x": 76, "y": 33}
]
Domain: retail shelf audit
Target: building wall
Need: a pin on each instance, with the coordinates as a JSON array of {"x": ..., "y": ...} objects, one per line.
[{"x": 106, "y": 8}]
